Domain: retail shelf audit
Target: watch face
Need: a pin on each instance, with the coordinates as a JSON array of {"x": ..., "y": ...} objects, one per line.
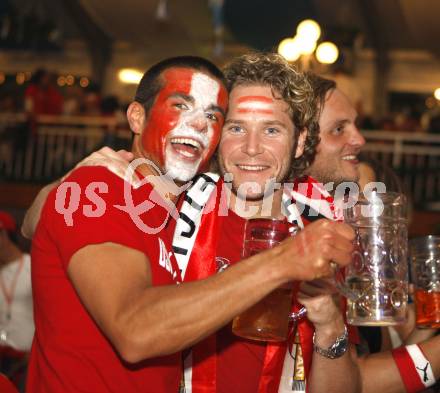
[{"x": 340, "y": 347}]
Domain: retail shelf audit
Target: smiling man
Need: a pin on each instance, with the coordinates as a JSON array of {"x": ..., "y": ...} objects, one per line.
[
  {"x": 270, "y": 134},
  {"x": 97, "y": 280},
  {"x": 258, "y": 140},
  {"x": 336, "y": 158},
  {"x": 336, "y": 161},
  {"x": 109, "y": 315}
]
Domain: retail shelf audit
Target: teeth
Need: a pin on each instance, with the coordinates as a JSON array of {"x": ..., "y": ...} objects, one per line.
[
  {"x": 187, "y": 141},
  {"x": 186, "y": 154},
  {"x": 252, "y": 167},
  {"x": 349, "y": 158}
]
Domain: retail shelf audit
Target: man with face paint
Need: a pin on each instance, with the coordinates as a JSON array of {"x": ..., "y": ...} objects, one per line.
[
  {"x": 180, "y": 135},
  {"x": 105, "y": 293}
]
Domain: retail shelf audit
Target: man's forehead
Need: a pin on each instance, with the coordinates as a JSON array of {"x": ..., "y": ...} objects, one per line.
[
  {"x": 195, "y": 83},
  {"x": 337, "y": 107},
  {"x": 256, "y": 98},
  {"x": 183, "y": 77},
  {"x": 255, "y": 104}
]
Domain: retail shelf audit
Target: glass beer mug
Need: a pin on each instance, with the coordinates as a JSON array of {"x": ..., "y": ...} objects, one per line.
[
  {"x": 377, "y": 278},
  {"x": 425, "y": 267},
  {"x": 268, "y": 319}
]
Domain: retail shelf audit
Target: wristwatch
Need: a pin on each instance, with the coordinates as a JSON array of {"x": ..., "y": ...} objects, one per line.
[{"x": 337, "y": 349}]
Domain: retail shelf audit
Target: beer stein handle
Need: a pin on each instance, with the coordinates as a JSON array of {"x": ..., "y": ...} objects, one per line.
[{"x": 341, "y": 286}]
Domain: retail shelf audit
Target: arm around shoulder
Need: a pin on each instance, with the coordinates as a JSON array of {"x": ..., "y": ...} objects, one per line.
[{"x": 33, "y": 214}]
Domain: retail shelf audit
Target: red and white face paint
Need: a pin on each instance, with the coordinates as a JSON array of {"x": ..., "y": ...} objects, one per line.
[
  {"x": 255, "y": 104},
  {"x": 185, "y": 122}
]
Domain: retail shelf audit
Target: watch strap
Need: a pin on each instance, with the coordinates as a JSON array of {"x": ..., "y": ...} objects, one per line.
[{"x": 337, "y": 349}]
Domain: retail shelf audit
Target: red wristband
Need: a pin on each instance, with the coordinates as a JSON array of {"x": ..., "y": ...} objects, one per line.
[{"x": 414, "y": 368}]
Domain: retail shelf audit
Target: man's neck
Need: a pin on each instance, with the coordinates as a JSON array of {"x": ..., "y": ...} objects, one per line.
[
  {"x": 268, "y": 207},
  {"x": 166, "y": 187}
]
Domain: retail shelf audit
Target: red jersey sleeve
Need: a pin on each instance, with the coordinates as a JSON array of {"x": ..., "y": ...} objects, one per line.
[{"x": 83, "y": 211}]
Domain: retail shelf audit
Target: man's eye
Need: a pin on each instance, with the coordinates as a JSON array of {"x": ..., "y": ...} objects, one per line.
[
  {"x": 338, "y": 130},
  {"x": 236, "y": 129},
  {"x": 181, "y": 105},
  {"x": 272, "y": 131}
]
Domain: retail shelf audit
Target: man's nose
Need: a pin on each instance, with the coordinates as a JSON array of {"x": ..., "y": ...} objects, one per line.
[
  {"x": 252, "y": 144},
  {"x": 356, "y": 138},
  {"x": 199, "y": 122}
]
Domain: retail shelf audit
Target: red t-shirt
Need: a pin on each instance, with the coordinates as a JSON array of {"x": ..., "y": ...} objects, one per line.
[
  {"x": 239, "y": 361},
  {"x": 69, "y": 352}
]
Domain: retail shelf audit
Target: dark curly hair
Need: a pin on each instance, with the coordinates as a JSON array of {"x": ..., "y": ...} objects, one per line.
[{"x": 287, "y": 84}]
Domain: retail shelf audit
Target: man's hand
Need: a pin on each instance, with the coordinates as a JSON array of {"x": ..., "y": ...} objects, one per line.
[
  {"x": 321, "y": 299},
  {"x": 116, "y": 162},
  {"x": 308, "y": 254}
]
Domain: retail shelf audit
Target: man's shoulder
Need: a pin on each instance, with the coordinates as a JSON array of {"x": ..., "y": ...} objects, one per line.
[
  {"x": 88, "y": 174},
  {"x": 88, "y": 188}
]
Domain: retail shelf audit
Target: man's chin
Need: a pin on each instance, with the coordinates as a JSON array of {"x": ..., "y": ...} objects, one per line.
[
  {"x": 248, "y": 196},
  {"x": 182, "y": 174}
]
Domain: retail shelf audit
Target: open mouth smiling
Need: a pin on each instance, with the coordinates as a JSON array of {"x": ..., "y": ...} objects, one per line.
[
  {"x": 351, "y": 157},
  {"x": 187, "y": 147}
]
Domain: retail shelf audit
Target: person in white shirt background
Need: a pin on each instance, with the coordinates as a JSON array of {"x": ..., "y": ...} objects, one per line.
[{"x": 16, "y": 311}]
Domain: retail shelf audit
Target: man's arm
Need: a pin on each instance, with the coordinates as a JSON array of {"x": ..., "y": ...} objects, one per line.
[
  {"x": 379, "y": 372},
  {"x": 328, "y": 375},
  {"x": 142, "y": 321},
  {"x": 33, "y": 214}
]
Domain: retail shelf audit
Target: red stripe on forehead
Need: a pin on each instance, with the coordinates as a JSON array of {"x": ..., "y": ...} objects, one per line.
[
  {"x": 177, "y": 80},
  {"x": 255, "y": 110},
  {"x": 255, "y": 98}
]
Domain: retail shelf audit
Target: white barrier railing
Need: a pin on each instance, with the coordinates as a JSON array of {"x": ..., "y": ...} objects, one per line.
[
  {"x": 415, "y": 157},
  {"x": 44, "y": 148}
]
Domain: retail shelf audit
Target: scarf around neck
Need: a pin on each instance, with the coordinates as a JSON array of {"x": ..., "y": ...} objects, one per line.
[{"x": 195, "y": 240}]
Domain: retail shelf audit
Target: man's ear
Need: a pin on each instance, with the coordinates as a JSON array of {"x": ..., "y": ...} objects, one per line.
[
  {"x": 301, "y": 143},
  {"x": 136, "y": 117}
]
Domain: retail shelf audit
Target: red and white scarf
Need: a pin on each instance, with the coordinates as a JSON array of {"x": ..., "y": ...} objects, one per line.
[{"x": 195, "y": 245}]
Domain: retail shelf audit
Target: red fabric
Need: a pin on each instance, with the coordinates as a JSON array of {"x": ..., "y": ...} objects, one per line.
[
  {"x": 239, "y": 361},
  {"x": 69, "y": 352},
  {"x": 6, "y": 386},
  {"x": 204, "y": 373},
  {"x": 208, "y": 235},
  {"x": 407, "y": 370},
  {"x": 7, "y": 222},
  {"x": 272, "y": 368}
]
